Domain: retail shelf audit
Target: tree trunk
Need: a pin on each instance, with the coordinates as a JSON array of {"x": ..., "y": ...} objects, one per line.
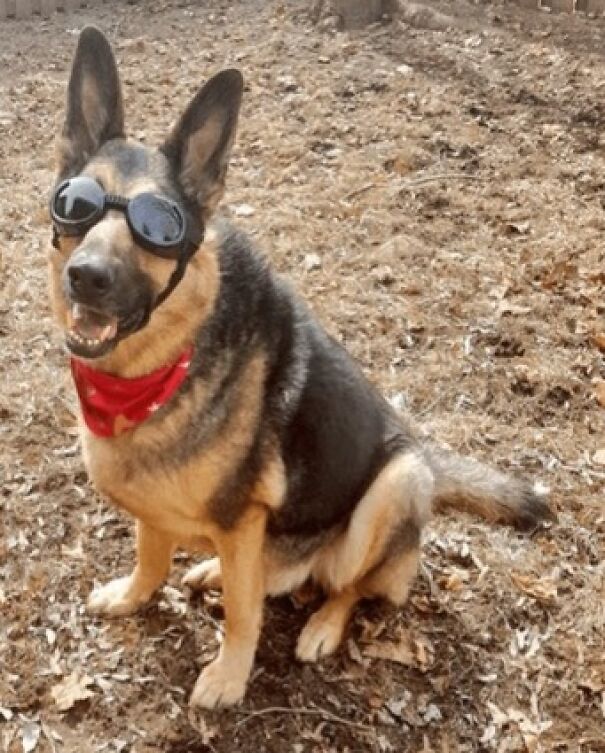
[{"x": 358, "y": 13}]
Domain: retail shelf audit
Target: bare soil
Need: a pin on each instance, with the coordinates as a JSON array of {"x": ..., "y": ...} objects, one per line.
[{"x": 436, "y": 188}]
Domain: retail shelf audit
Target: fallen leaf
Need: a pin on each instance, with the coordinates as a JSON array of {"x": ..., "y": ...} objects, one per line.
[
  {"x": 454, "y": 581},
  {"x": 401, "y": 651},
  {"x": 243, "y": 210},
  {"x": 594, "y": 684},
  {"x": 599, "y": 392},
  {"x": 499, "y": 718},
  {"x": 408, "y": 650},
  {"x": 517, "y": 228},
  {"x": 70, "y": 690},
  {"x": 354, "y": 652},
  {"x": 599, "y": 456},
  {"x": 598, "y": 339},
  {"x": 30, "y": 734},
  {"x": 424, "y": 653},
  {"x": 395, "y": 706},
  {"x": 513, "y": 309},
  {"x": 312, "y": 262},
  {"x": 75, "y": 552},
  {"x": 542, "y": 589},
  {"x": 559, "y": 274}
]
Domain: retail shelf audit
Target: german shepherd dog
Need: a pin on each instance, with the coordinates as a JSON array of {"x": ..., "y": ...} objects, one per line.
[{"x": 215, "y": 408}]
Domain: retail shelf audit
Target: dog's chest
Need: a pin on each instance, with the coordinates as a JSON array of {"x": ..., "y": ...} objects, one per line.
[{"x": 171, "y": 499}]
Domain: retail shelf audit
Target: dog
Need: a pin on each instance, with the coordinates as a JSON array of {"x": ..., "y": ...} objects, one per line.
[{"x": 214, "y": 407}]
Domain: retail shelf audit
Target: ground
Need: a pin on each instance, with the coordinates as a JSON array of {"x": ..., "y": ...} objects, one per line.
[{"x": 436, "y": 188}]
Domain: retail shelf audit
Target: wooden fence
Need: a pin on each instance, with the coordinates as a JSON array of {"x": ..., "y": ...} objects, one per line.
[
  {"x": 567, "y": 6},
  {"x": 45, "y": 8}
]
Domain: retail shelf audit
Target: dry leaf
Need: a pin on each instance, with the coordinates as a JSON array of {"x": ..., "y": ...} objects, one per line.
[
  {"x": 30, "y": 734},
  {"x": 559, "y": 274},
  {"x": 70, "y": 690},
  {"x": 542, "y": 589},
  {"x": 504, "y": 307},
  {"x": 401, "y": 651},
  {"x": 424, "y": 653},
  {"x": 599, "y": 456},
  {"x": 598, "y": 339},
  {"x": 243, "y": 210},
  {"x": 599, "y": 392},
  {"x": 454, "y": 581},
  {"x": 594, "y": 684},
  {"x": 354, "y": 652},
  {"x": 75, "y": 552},
  {"x": 408, "y": 650}
]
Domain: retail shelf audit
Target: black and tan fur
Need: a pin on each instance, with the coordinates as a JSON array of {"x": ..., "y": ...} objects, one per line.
[{"x": 275, "y": 455}]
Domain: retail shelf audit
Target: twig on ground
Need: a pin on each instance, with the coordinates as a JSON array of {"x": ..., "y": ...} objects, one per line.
[
  {"x": 324, "y": 713},
  {"x": 438, "y": 177},
  {"x": 409, "y": 184}
]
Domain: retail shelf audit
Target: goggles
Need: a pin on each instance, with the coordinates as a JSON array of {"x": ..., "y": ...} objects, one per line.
[{"x": 156, "y": 223}]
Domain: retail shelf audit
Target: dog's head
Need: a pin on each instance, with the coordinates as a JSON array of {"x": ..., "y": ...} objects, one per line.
[{"x": 125, "y": 215}]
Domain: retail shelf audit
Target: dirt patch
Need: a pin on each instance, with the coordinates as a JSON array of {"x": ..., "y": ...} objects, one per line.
[{"x": 439, "y": 197}]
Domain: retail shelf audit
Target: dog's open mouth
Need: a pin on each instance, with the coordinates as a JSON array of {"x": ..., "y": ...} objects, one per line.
[{"x": 90, "y": 333}]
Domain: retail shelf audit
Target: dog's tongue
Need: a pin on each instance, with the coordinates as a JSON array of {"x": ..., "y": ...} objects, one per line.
[{"x": 92, "y": 325}]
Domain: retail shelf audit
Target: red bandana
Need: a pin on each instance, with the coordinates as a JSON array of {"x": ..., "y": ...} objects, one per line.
[{"x": 111, "y": 405}]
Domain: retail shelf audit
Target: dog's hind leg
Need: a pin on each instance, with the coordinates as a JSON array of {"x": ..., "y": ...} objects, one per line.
[
  {"x": 323, "y": 632},
  {"x": 206, "y": 576},
  {"x": 377, "y": 555},
  {"x": 125, "y": 595}
]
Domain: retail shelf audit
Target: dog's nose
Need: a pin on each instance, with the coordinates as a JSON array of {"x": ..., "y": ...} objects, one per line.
[{"x": 90, "y": 278}]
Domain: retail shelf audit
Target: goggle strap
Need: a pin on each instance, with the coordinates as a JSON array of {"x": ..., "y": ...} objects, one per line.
[
  {"x": 113, "y": 201},
  {"x": 179, "y": 272},
  {"x": 174, "y": 280}
]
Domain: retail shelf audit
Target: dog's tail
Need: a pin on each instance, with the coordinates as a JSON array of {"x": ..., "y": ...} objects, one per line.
[{"x": 471, "y": 486}]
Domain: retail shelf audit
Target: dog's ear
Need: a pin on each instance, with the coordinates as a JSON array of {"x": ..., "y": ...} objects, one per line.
[
  {"x": 94, "y": 102},
  {"x": 200, "y": 144}
]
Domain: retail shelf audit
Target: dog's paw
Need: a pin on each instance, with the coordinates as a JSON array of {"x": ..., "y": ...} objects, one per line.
[
  {"x": 117, "y": 598},
  {"x": 319, "y": 637},
  {"x": 218, "y": 685},
  {"x": 204, "y": 577}
]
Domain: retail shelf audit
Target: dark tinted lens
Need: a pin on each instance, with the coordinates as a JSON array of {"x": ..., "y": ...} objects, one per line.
[
  {"x": 78, "y": 200},
  {"x": 158, "y": 221}
]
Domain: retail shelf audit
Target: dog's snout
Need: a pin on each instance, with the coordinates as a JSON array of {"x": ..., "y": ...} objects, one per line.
[{"x": 90, "y": 278}]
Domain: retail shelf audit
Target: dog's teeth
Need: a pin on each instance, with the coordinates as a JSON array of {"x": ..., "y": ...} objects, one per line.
[{"x": 108, "y": 332}]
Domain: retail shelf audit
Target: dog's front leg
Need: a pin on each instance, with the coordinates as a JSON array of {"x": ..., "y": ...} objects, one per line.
[
  {"x": 223, "y": 682},
  {"x": 125, "y": 595}
]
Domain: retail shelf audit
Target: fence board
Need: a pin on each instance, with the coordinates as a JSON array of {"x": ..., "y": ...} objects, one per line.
[
  {"x": 26, "y": 8},
  {"x": 47, "y": 7},
  {"x": 565, "y": 6},
  {"x": 21, "y": 9}
]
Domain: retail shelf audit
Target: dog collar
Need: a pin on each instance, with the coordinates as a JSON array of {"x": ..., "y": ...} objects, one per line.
[{"x": 112, "y": 405}]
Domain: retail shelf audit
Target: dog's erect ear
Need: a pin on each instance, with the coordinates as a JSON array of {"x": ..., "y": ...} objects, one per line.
[
  {"x": 94, "y": 102},
  {"x": 200, "y": 144}
]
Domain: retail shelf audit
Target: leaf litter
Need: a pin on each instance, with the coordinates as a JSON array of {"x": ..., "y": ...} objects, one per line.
[{"x": 434, "y": 188}]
